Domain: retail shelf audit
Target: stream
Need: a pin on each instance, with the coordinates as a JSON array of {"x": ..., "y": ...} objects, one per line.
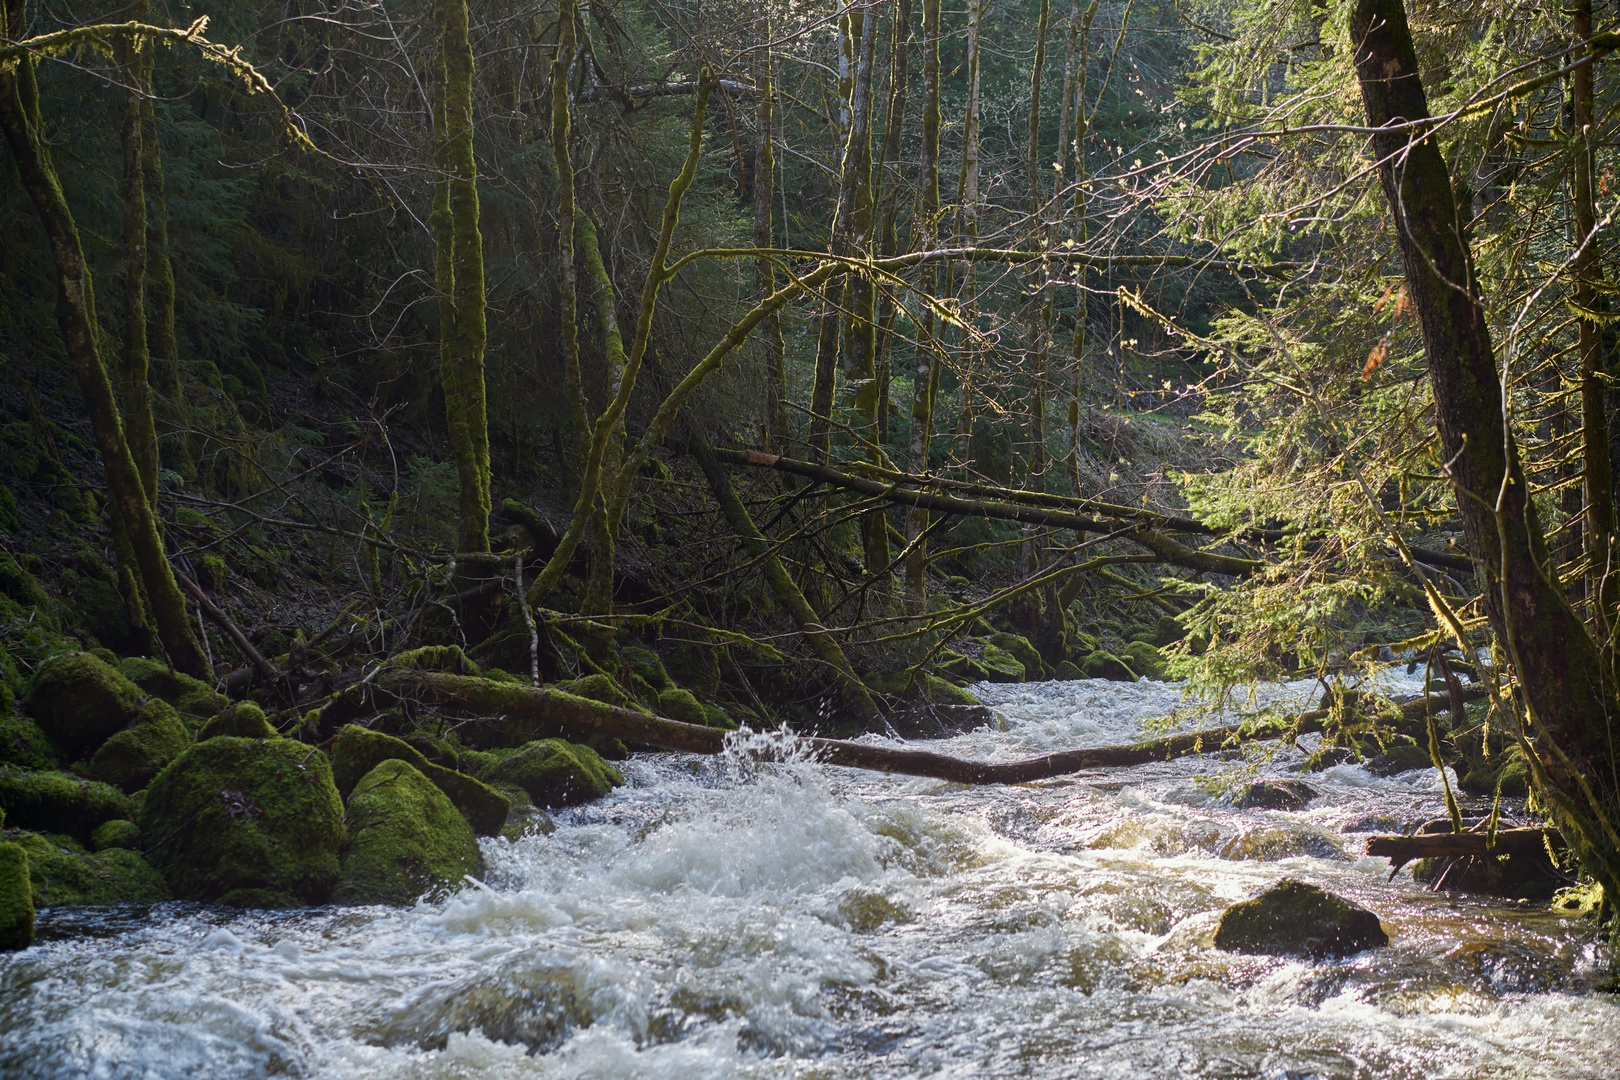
[{"x": 719, "y": 918}]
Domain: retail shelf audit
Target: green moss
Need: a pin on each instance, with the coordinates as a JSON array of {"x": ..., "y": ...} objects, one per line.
[
  {"x": 17, "y": 583},
  {"x": 1105, "y": 665},
  {"x": 1026, "y": 654},
  {"x": 405, "y": 838},
  {"x": 1293, "y": 918},
  {"x": 557, "y": 773},
  {"x": 1145, "y": 659},
  {"x": 1001, "y": 666},
  {"x": 438, "y": 751},
  {"x": 1168, "y": 631},
  {"x": 597, "y": 688},
  {"x": 59, "y": 802},
  {"x": 132, "y": 757},
  {"x": 244, "y": 720},
  {"x": 235, "y": 813},
  {"x": 447, "y": 658},
  {"x": 678, "y": 704},
  {"x": 16, "y": 899},
  {"x": 716, "y": 717},
  {"x": 943, "y": 692},
  {"x": 1067, "y": 672},
  {"x": 962, "y": 667},
  {"x": 117, "y": 833},
  {"x": 192, "y": 698},
  {"x": 80, "y": 702},
  {"x": 64, "y": 874},
  {"x": 647, "y": 664},
  {"x": 694, "y": 665},
  {"x": 360, "y": 750},
  {"x": 23, "y": 743},
  {"x": 212, "y": 573}
]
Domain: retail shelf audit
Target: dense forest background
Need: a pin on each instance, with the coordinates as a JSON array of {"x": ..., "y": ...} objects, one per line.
[{"x": 821, "y": 358}]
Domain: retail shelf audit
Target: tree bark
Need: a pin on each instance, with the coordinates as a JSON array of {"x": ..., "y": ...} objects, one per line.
[
  {"x": 1570, "y": 709},
  {"x": 135, "y": 358},
  {"x": 764, "y": 268},
  {"x": 925, "y": 374},
  {"x": 75, "y": 314}
]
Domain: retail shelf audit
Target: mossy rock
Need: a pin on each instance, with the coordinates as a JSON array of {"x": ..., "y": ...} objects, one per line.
[
  {"x": 694, "y": 665},
  {"x": 64, "y": 874},
  {"x": 1068, "y": 672},
  {"x": 716, "y": 717},
  {"x": 962, "y": 667},
  {"x": 406, "y": 838},
  {"x": 446, "y": 658},
  {"x": 235, "y": 813},
  {"x": 16, "y": 899},
  {"x": 1021, "y": 650},
  {"x": 133, "y": 757},
  {"x": 1507, "y": 768},
  {"x": 117, "y": 833},
  {"x": 23, "y": 743},
  {"x": 888, "y": 683},
  {"x": 1001, "y": 666},
  {"x": 1145, "y": 659},
  {"x": 682, "y": 705},
  {"x": 596, "y": 688},
  {"x": 942, "y": 692},
  {"x": 647, "y": 664},
  {"x": 1105, "y": 665},
  {"x": 1295, "y": 919},
  {"x": 1274, "y": 795},
  {"x": 80, "y": 702},
  {"x": 1168, "y": 631},
  {"x": 242, "y": 720},
  {"x": 556, "y": 773},
  {"x": 360, "y": 750},
  {"x": 1398, "y": 758},
  {"x": 58, "y": 802}
]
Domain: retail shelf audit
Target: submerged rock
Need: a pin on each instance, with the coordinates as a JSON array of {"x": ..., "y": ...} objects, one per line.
[
  {"x": 1274, "y": 795},
  {"x": 16, "y": 899},
  {"x": 557, "y": 773},
  {"x": 132, "y": 757},
  {"x": 58, "y": 802},
  {"x": 235, "y": 813},
  {"x": 63, "y": 873},
  {"x": 1295, "y": 919},
  {"x": 80, "y": 702},
  {"x": 359, "y": 750},
  {"x": 1399, "y": 758},
  {"x": 405, "y": 838}
]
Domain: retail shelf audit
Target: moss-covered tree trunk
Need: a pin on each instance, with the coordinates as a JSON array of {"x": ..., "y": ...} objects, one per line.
[
  {"x": 135, "y": 358},
  {"x": 967, "y": 224},
  {"x": 164, "y": 375},
  {"x": 75, "y": 314},
  {"x": 925, "y": 373},
  {"x": 460, "y": 272},
  {"x": 765, "y": 269},
  {"x": 1076, "y": 95},
  {"x": 1571, "y": 709}
]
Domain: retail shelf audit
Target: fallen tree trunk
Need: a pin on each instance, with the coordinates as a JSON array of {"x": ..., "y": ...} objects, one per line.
[
  {"x": 532, "y": 712},
  {"x": 1401, "y": 850}
]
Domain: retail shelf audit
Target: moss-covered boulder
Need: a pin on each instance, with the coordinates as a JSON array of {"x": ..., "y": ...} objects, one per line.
[
  {"x": 943, "y": 692},
  {"x": 1103, "y": 664},
  {"x": 242, "y": 720},
  {"x": 1169, "y": 631},
  {"x": 193, "y": 699},
  {"x": 691, "y": 664},
  {"x": 132, "y": 757},
  {"x": 23, "y": 742},
  {"x": 648, "y": 665},
  {"x": 1001, "y": 666},
  {"x": 959, "y": 666},
  {"x": 80, "y": 702},
  {"x": 1295, "y": 919},
  {"x": 1274, "y": 795},
  {"x": 1068, "y": 671},
  {"x": 117, "y": 833},
  {"x": 556, "y": 773},
  {"x": 596, "y": 688},
  {"x": 682, "y": 705},
  {"x": 360, "y": 750},
  {"x": 1399, "y": 757},
  {"x": 405, "y": 838},
  {"x": 64, "y": 874},
  {"x": 1145, "y": 658},
  {"x": 438, "y": 751},
  {"x": 1020, "y": 649},
  {"x": 235, "y": 813},
  {"x": 16, "y": 899},
  {"x": 59, "y": 802}
]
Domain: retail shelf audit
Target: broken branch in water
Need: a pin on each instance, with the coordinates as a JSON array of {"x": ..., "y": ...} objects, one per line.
[{"x": 1400, "y": 850}]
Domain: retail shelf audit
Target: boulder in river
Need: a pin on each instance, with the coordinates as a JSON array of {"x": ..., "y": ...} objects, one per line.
[
  {"x": 359, "y": 750},
  {"x": 132, "y": 757},
  {"x": 62, "y": 872},
  {"x": 1103, "y": 664},
  {"x": 406, "y": 838},
  {"x": 1002, "y": 666},
  {"x": 1293, "y": 918},
  {"x": 1274, "y": 795},
  {"x": 16, "y": 899},
  {"x": 1399, "y": 758},
  {"x": 58, "y": 802},
  {"x": 233, "y": 813},
  {"x": 81, "y": 701},
  {"x": 1019, "y": 648},
  {"x": 556, "y": 773}
]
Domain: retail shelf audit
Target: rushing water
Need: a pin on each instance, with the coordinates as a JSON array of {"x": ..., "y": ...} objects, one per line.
[{"x": 716, "y": 918}]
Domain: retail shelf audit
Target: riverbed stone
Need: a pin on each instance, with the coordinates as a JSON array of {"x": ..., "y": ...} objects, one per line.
[
  {"x": 244, "y": 720},
  {"x": 1398, "y": 758},
  {"x": 234, "y": 813},
  {"x": 116, "y": 833},
  {"x": 1020, "y": 649},
  {"x": 359, "y": 750},
  {"x": 1293, "y": 918},
  {"x": 81, "y": 701},
  {"x": 406, "y": 838},
  {"x": 62, "y": 873},
  {"x": 556, "y": 773},
  {"x": 1274, "y": 795},
  {"x": 16, "y": 899},
  {"x": 132, "y": 757},
  {"x": 59, "y": 802},
  {"x": 1144, "y": 658},
  {"x": 1001, "y": 666},
  {"x": 1103, "y": 664}
]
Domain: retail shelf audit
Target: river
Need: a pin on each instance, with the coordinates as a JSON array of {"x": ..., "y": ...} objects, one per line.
[{"x": 718, "y": 918}]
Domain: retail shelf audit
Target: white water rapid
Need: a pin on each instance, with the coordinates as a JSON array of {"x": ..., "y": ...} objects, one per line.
[{"x": 718, "y": 919}]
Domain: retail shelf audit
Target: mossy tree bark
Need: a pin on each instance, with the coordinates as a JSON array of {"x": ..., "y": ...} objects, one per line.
[
  {"x": 925, "y": 374},
  {"x": 605, "y": 530},
  {"x": 135, "y": 357},
  {"x": 75, "y": 314},
  {"x": 164, "y": 346},
  {"x": 460, "y": 271},
  {"x": 1571, "y": 707},
  {"x": 764, "y": 268},
  {"x": 967, "y": 223},
  {"x": 1077, "y": 343}
]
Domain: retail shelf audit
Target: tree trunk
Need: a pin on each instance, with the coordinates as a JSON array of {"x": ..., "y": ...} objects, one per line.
[
  {"x": 135, "y": 358},
  {"x": 925, "y": 375},
  {"x": 1082, "y": 305},
  {"x": 599, "y": 585},
  {"x": 967, "y": 222},
  {"x": 1569, "y": 707},
  {"x": 75, "y": 314},
  {"x": 165, "y": 348},
  {"x": 460, "y": 261},
  {"x": 764, "y": 269}
]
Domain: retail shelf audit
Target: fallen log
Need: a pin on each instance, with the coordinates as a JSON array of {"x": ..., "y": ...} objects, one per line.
[
  {"x": 1400, "y": 850},
  {"x": 525, "y": 713}
]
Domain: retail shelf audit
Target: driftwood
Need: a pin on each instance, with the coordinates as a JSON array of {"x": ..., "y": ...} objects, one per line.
[
  {"x": 265, "y": 668},
  {"x": 1401, "y": 850},
  {"x": 529, "y": 711}
]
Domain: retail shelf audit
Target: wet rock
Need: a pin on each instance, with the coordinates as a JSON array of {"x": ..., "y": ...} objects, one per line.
[
  {"x": 1145, "y": 658},
  {"x": 63, "y": 873},
  {"x": 243, "y": 720},
  {"x": 132, "y": 757},
  {"x": 260, "y": 900},
  {"x": 1275, "y": 795},
  {"x": 80, "y": 702},
  {"x": 1103, "y": 664},
  {"x": 406, "y": 838},
  {"x": 116, "y": 833},
  {"x": 359, "y": 750},
  {"x": 1067, "y": 671},
  {"x": 59, "y": 802},
  {"x": 235, "y": 813},
  {"x": 1020, "y": 649},
  {"x": 942, "y": 692},
  {"x": 1001, "y": 666},
  {"x": 1399, "y": 758},
  {"x": 678, "y": 704},
  {"x": 556, "y": 773},
  {"x": 1270, "y": 843},
  {"x": 1295, "y": 919},
  {"x": 16, "y": 899},
  {"x": 193, "y": 699}
]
